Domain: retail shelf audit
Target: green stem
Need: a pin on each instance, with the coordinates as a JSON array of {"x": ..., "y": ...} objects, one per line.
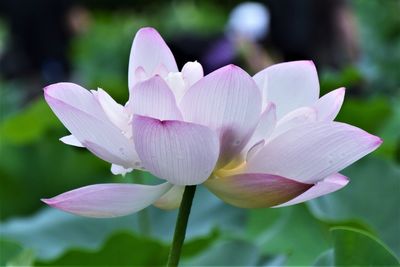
[{"x": 180, "y": 227}]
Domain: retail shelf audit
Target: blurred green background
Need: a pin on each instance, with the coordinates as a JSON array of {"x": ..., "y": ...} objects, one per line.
[{"x": 355, "y": 44}]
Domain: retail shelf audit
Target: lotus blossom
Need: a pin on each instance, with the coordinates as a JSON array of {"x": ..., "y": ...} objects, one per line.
[{"x": 261, "y": 141}]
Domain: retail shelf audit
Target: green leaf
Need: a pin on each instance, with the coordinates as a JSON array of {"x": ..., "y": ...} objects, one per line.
[
  {"x": 355, "y": 247},
  {"x": 292, "y": 231},
  {"x": 368, "y": 114},
  {"x": 29, "y": 124},
  {"x": 119, "y": 250},
  {"x": 372, "y": 196},
  {"x": 13, "y": 254}
]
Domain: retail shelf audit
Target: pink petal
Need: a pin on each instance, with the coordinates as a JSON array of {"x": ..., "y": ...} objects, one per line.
[
  {"x": 289, "y": 85},
  {"x": 192, "y": 72},
  {"x": 153, "y": 98},
  {"x": 82, "y": 115},
  {"x": 172, "y": 199},
  {"x": 329, "y": 105},
  {"x": 313, "y": 151},
  {"x": 149, "y": 51},
  {"x": 294, "y": 119},
  {"x": 227, "y": 101},
  {"x": 255, "y": 190},
  {"x": 181, "y": 153},
  {"x": 326, "y": 186},
  {"x": 71, "y": 140},
  {"x": 108, "y": 200}
]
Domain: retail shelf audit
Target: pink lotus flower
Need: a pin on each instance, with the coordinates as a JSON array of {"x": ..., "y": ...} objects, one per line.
[{"x": 262, "y": 141}]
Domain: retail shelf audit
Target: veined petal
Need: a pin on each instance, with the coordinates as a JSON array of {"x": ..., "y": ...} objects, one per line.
[
  {"x": 71, "y": 140},
  {"x": 192, "y": 72},
  {"x": 294, "y": 119},
  {"x": 326, "y": 186},
  {"x": 153, "y": 98},
  {"x": 255, "y": 190},
  {"x": 108, "y": 200},
  {"x": 172, "y": 199},
  {"x": 149, "y": 51},
  {"x": 329, "y": 105},
  {"x": 289, "y": 85},
  {"x": 181, "y": 153},
  {"x": 313, "y": 151},
  {"x": 227, "y": 101},
  {"x": 91, "y": 127}
]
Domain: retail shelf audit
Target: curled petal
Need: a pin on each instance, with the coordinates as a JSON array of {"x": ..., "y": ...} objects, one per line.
[
  {"x": 255, "y": 190},
  {"x": 326, "y": 186},
  {"x": 227, "y": 101},
  {"x": 313, "y": 151},
  {"x": 154, "y": 98},
  {"x": 108, "y": 200},
  {"x": 289, "y": 85},
  {"x": 149, "y": 52},
  {"x": 172, "y": 199},
  {"x": 181, "y": 153},
  {"x": 329, "y": 105}
]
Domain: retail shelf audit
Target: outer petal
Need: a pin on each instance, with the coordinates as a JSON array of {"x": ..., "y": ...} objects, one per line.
[
  {"x": 172, "y": 199},
  {"x": 294, "y": 119},
  {"x": 82, "y": 115},
  {"x": 227, "y": 101},
  {"x": 108, "y": 200},
  {"x": 180, "y": 152},
  {"x": 329, "y": 105},
  {"x": 149, "y": 51},
  {"x": 71, "y": 140},
  {"x": 153, "y": 98},
  {"x": 289, "y": 85},
  {"x": 255, "y": 190},
  {"x": 328, "y": 185},
  {"x": 313, "y": 151}
]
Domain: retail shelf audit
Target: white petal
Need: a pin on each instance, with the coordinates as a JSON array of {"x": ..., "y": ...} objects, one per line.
[
  {"x": 149, "y": 51},
  {"x": 192, "y": 72},
  {"x": 326, "y": 186},
  {"x": 117, "y": 169},
  {"x": 108, "y": 200},
  {"x": 71, "y": 140},
  {"x": 289, "y": 85},
  {"x": 227, "y": 101},
  {"x": 177, "y": 84},
  {"x": 313, "y": 151},
  {"x": 329, "y": 105},
  {"x": 114, "y": 111},
  {"x": 154, "y": 98},
  {"x": 172, "y": 199},
  {"x": 179, "y": 152}
]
